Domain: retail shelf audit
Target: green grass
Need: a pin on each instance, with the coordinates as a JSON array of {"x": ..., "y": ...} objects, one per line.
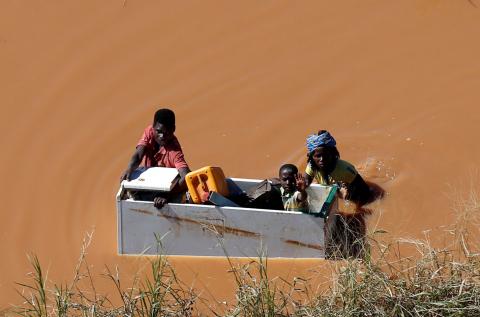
[
  {"x": 432, "y": 281},
  {"x": 436, "y": 282},
  {"x": 158, "y": 293}
]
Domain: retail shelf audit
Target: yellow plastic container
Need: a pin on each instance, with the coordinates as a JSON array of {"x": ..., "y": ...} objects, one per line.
[{"x": 202, "y": 181}]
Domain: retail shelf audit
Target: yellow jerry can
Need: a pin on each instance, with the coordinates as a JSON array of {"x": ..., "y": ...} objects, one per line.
[{"x": 202, "y": 181}]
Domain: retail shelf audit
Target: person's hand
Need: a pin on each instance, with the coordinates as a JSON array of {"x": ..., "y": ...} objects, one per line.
[
  {"x": 159, "y": 202},
  {"x": 127, "y": 175},
  {"x": 342, "y": 190},
  {"x": 301, "y": 182}
]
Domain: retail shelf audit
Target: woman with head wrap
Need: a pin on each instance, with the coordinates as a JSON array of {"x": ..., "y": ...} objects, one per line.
[{"x": 326, "y": 168}]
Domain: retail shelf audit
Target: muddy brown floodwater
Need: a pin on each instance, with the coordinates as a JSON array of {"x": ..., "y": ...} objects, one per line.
[{"x": 397, "y": 83}]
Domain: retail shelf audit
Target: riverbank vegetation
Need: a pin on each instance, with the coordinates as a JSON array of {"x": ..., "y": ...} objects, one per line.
[{"x": 431, "y": 281}]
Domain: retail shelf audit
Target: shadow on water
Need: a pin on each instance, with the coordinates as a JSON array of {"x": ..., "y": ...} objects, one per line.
[{"x": 347, "y": 231}]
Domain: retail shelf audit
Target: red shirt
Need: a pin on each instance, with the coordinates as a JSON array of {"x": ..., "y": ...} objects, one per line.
[{"x": 169, "y": 155}]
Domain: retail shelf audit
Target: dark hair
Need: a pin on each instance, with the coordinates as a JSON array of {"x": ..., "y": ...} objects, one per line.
[
  {"x": 288, "y": 167},
  {"x": 165, "y": 117}
]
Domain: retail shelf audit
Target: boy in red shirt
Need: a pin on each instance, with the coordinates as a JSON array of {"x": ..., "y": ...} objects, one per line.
[{"x": 159, "y": 147}]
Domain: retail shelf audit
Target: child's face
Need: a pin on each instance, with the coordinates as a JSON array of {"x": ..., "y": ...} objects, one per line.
[
  {"x": 162, "y": 134},
  {"x": 323, "y": 158},
  {"x": 287, "y": 180}
]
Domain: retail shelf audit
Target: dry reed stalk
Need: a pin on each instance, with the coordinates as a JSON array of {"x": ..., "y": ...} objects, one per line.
[{"x": 379, "y": 281}]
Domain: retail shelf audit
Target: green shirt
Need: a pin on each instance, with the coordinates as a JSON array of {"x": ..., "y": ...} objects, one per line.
[{"x": 343, "y": 172}]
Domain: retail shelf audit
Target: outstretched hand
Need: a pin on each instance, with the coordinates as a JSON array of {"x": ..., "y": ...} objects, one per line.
[{"x": 301, "y": 182}]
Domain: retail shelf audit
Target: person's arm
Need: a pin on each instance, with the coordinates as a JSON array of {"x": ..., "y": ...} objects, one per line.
[
  {"x": 181, "y": 186},
  {"x": 308, "y": 175},
  {"x": 183, "y": 169},
  {"x": 135, "y": 161},
  {"x": 358, "y": 191}
]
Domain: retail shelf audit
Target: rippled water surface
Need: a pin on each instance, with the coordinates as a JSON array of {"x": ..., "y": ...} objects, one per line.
[{"x": 397, "y": 84}]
